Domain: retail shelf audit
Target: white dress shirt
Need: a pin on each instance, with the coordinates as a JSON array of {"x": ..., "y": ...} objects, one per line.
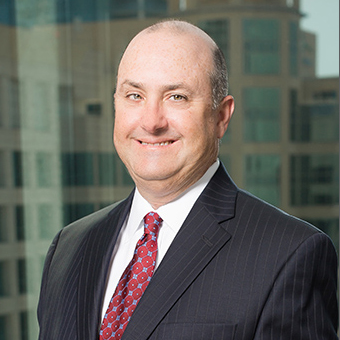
[{"x": 173, "y": 214}]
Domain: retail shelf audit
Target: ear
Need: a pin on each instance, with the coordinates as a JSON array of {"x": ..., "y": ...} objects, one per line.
[{"x": 224, "y": 112}]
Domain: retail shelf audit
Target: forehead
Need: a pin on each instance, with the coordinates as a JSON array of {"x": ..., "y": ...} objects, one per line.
[{"x": 172, "y": 54}]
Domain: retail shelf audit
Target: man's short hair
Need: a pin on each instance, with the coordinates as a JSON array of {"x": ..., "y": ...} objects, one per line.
[{"x": 219, "y": 77}]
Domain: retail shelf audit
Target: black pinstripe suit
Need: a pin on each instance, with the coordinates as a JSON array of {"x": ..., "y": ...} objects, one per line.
[{"x": 238, "y": 269}]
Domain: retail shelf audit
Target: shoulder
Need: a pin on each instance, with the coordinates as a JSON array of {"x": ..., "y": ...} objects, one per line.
[
  {"x": 84, "y": 224},
  {"x": 74, "y": 234},
  {"x": 69, "y": 242},
  {"x": 253, "y": 217},
  {"x": 273, "y": 224},
  {"x": 266, "y": 210}
]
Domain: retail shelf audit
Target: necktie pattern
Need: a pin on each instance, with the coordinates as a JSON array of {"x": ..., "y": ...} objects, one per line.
[{"x": 133, "y": 281}]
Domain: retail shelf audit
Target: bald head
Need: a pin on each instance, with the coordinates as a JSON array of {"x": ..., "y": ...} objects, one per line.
[
  {"x": 217, "y": 71},
  {"x": 180, "y": 27}
]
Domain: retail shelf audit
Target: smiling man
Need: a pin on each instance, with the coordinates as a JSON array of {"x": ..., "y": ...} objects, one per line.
[{"x": 187, "y": 255}]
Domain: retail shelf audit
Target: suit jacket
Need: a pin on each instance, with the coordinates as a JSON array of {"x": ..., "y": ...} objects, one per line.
[{"x": 238, "y": 268}]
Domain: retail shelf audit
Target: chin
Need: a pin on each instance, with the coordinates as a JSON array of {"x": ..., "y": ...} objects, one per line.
[{"x": 153, "y": 174}]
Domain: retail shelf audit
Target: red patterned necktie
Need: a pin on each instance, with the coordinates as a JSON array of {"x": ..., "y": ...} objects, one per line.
[{"x": 133, "y": 281}]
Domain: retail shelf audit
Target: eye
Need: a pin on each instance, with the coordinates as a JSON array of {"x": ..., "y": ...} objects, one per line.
[
  {"x": 134, "y": 96},
  {"x": 177, "y": 97}
]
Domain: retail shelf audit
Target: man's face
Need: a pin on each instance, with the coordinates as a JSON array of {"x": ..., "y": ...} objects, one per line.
[{"x": 166, "y": 132}]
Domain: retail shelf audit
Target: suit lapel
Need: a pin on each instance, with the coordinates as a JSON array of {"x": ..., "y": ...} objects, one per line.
[
  {"x": 93, "y": 273},
  {"x": 200, "y": 238}
]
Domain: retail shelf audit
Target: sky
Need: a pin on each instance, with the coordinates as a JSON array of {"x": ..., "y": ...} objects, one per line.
[{"x": 322, "y": 18}]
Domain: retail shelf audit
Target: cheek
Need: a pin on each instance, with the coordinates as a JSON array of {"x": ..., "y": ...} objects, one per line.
[
  {"x": 122, "y": 125},
  {"x": 119, "y": 132}
]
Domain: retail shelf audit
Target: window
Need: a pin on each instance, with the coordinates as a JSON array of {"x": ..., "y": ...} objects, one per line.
[
  {"x": 77, "y": 10},
  {"x": 316, "y": 123},
  {"x": 137, "y": 8},
  {"x": 325, "y": 95},
  {"x": 4, "y": 279},
  {"x": 65, "y": 100},
  {"x": 4, "y": 327},
  {"x": 2, "y": 169},
  {"x": 297, "y": 127},
  {"x": 75, "y": 211},
  {"x": 41, "y": 107},
  {"x": 2, "y": 100},
  {"x": 261, "y": 114},
  {"x": 314, "y": 179},
  {"x": 20, "y": 223},
  {"x": 262, "y": 177},
  {"x": 3, "y": 223},
  {"x": 17, "y": 169},
  {"x": 123, "y": 9},
  {"x": 77, "y": 169},
  {"x": 107, "y": 169},
  {"x": 14, "y": 103},
  {"x": 293, "y": 48},
  {"x": 46, "y": 221},
  {"x": 261, "y": 46},
  {"x": 155, "y": 7},
  {"x": 24, "y": 325},
  {"x": 22, "y": 276},
  {"x": 94, "y": 109},
  {"x": 219, "y": 31},
  {"x": 43, "y": 169}
]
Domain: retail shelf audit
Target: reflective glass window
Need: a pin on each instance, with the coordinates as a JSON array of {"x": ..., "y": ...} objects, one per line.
[
  {"x": 4, "y": 279},
  {"x": 4, "y": 327},
  {"x": 314, "y": 179},
  {"x": 4, "y": 223},
  {"x": 262, "y": 107},
  {"x": 315, "y": 123},
  {"x": 74, "y": 211},
  {"x": 293, "y": 48},
  {"x": 77, "y": 169},
  {"x": 261, "y": 46},
  {"x": 43, "y": 169},
  {"x": 262, "y": 177},
  {"x": 107, "y": 169},
  {"x": 219, "y": 31}
]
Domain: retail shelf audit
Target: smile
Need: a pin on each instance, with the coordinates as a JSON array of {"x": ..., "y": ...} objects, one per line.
[{"x": 157, "y": 144}]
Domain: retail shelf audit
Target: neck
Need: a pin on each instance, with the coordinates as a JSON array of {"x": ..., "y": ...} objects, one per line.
[{"x": 159, "y": 193}]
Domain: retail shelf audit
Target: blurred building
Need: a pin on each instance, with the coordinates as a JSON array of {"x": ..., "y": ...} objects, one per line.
[{"x": 58, "y": 61}]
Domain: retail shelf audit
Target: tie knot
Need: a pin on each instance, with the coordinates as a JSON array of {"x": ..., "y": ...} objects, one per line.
[{"x": 152, "y": 223}]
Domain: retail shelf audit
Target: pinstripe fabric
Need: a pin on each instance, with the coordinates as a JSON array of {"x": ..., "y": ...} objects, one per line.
[
  {"x": 245, "y": 270},
  {"x": 75, "y": 274}
]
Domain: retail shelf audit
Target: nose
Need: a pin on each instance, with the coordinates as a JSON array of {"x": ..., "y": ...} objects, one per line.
[{"x": 154, "y": 119}]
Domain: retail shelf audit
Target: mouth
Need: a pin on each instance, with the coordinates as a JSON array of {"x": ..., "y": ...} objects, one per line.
[{"x": 156, "y": 144}]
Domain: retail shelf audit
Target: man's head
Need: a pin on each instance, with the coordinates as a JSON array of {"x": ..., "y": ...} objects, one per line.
[{"x": 172, "y": 108}]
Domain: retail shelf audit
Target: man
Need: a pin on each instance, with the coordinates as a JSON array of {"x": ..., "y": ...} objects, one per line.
[{"x": 223, "y": 264}]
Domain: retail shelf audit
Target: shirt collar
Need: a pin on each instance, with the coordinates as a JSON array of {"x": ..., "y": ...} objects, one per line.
[{"x": 173, "y": 213}]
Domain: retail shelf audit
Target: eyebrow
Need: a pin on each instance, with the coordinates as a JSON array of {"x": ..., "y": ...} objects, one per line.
[
  {"x": 169, "y": 87},
  {"x": 132, "y": 83}
]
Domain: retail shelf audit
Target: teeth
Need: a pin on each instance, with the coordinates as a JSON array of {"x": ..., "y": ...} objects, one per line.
[{"x": 157, "y": 144}]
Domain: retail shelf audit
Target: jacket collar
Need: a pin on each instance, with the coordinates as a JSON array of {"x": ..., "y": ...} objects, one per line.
[{"x": 97, "y": 251}]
